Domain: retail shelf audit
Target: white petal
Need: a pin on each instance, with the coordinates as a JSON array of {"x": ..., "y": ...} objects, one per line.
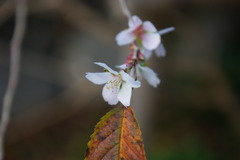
[
  {"x": 134, "y": 22},
  {"x": 132, "y": 72},
  {"x": 106, "y": 67},
  {"x": 110, "y": 94},
  {"x": 138, "y": 73},
  {"x": 160, "y": 51},
  {"x": 123, "y": 66},
  {"x": 99, "y": 78},
  {"x": 150, "y": 76},
  {"x": 148, "y": 26},
  {"x": 147, "y": 53},
  {"x": 150, "y": 40},
  {"x": 124, "y": 95},
  {"x": 125, "y": 37},
  {"x": 128, "y": 79},
  {"x": 166, "y": 30}
]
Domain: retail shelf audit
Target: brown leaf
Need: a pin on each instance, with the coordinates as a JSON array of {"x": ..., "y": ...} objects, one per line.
[{"x": 116, "y": 137}]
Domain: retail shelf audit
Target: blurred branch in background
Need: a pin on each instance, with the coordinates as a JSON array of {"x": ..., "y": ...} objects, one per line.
[
  {"x": 86, "y": 19},
  {"x": 15, "y": 53}
]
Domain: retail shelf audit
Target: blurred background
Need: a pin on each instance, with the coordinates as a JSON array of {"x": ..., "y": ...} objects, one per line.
[{"x": 194, "y": 114}]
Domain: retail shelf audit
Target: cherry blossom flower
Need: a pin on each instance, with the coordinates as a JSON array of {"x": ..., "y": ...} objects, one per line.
[
  {"x": 143, "y": 33},
  {"x": 118, "y": 85}
]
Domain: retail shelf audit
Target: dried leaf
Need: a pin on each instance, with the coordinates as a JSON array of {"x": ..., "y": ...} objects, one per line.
[{"x": 116, "y": 137}]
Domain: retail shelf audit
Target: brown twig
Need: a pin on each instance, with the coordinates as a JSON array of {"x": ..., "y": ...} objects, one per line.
[{"x": 15, "y": 47}]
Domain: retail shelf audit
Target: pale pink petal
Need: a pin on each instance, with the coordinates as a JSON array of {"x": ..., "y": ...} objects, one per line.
[
  {"x": 110, "y": 94},
  {"x": 150, "y": 41},
  {"x": 106, "y": 67},
  {"x": 148, "y": 26},
  {"x": 147, "y": 53},
  {"x": 160, "y": 51},
  {"x": 134, "y": 22},
  {"x": 99, "y": 78},
  {"x": 128, "y": 79},
  {"x": 125, "y": 37},
  {"x": 150, "y": 76},
  {"x": 124, "y": 95}
]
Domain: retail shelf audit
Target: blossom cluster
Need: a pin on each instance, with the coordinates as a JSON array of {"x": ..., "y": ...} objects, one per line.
[{"x": 144, "y": 39}]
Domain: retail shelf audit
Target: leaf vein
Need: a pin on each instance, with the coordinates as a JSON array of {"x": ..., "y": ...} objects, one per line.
[
  {"x": 105, "y": 140},
  {"x": 129, "y": 146}
]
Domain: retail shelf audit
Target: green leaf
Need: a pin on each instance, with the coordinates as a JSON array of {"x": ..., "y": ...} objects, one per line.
[{"x": 116, "y": 137}]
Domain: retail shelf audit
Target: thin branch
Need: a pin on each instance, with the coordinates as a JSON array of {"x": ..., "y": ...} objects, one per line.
[
  {"x": 15, "y": 47},
  {"x": 125, "y": 9}
]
